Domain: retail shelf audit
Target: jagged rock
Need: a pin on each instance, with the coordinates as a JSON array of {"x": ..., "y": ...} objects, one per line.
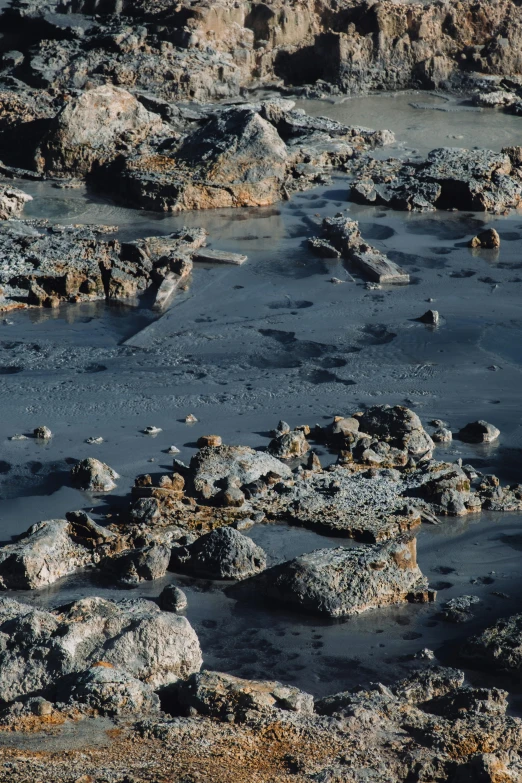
[
  {"x": 479, "y": 432},
  {"x": 212, "y": 466},
  {"x": 430, "y": 317},
  {"x": 449, "y": 492},
  {"x": 343, "y": 582},
  {"x": 209, "y": 440},
  {"x": 37, "y": 647},
  {"x": 458, "y": 610},
  {"x": 289, "y": 445},
  {"x": 222, "y": 554},
  {"x": 107, "y": 690},
  {"x": 87, "y": 130},
  {"x": 223, "y": 696},
  {"x": 137, "y": 565},
  {"x": 498, "y": 647},
  {"x": 12, "y": 202},
  {"x": 398, "y": 426},
  {"x": 442, "y": 435},
  {"x": 488, "y": 239},
  {"x": 172, "y": 599},
  {"x": 52, "y": 549},
  {"x": 95, "y": 476}
]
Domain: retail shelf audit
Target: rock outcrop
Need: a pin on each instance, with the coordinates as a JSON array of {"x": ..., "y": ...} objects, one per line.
[
  {"x": 343, "y": 582},
  {"x": 222, "y": 554}
]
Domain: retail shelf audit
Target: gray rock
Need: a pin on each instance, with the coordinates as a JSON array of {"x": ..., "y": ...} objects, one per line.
[
  {"x": 12, "y": 202},
  {"x": 398, "y": 426},
  {"x": 137, "y": 565},
  {"x": 442, "y": 435},
  {"x": 488, "y": 239},
  {"x": 459, "y": 610},
  {"x": 222, "y": 554},
  {"x": 430, "y": 317},
  {"x": 499, "y": 647},
  {"x": 172, "y": 599},
  {"x": 343, "y": 582},
  {"x": 479, "y": 432},
  {"x": 107, "y": 690},
  {"x": 289, "y": 445},
  {"x": 223, "y": 696},
  {"x": 212, "y": 466},
  {"x": 42, "y": 433},
  {"x": 95, "y": 476},
  {"x": 38, "y": 647}
]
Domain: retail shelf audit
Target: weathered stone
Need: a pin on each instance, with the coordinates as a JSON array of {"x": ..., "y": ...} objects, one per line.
[
  {"x": 479, "y": 432},
  {"x": 93, "y": 475},
  {"x": 430, "y": 317},
  {"x": 172, "y": 599},
  {"x": 398, "y": 426},
  {"x": 209, "y": 440},
  {"x": 442, "y": 435},
  {"x": 488, "y": 239},
  {"x": 222, "y": 554},
  {"x": 136, "y": 636},
  {"x": 223, "y": 696},
  {"x": 107, "y": 690},
  {"x": 498, "y": 647},
  {"x": 12, "y": 202},
  {"x": 459, "y": 610},
  {"x": 343, "y": 582},
  {"x": 137, "y": 565},
  {"x": 42, "y": 433},
  {"x": 289, "y": 445}
]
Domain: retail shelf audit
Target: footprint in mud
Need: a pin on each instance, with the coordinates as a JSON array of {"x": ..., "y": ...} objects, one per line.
[
  {"x": 289, "y": 304},
  {"x": 482, "y": 580},
  {"x": 5, "y": 467},
  {"x": 463, "y": 273},
  {"x": 443, "y": 570},
  {"x": 441, "y": 585},
  {"x": 411, "y": 636},
  {"x": 317, "y": 377},
  {"x": 376, "y": 231},
  {"x": 376, "y": 334},
  {"x": 440, "y": 251},
  {"x": 92, "y": 368}
]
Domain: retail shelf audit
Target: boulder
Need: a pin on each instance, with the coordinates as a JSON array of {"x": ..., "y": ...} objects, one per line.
[
  {"x": 107, "y": 690},
  {"x": 87, "y": 130},
  {"x": 52, "y": 549},
  {"x": 343, "y": 582},
  {"x": 488, "y": 239},
  {"x": 95, "y": 476},
  {"x": 38, "y": 647},
  {"x": 478, "y": 432},
  {"x": 172, "y": 599},
  {"x": 212, "y": 466},
  {"x": 398, "y": 426},
  {"x": 223, "y": 696},
  {"x": 499, "y": 647},
  {"x": 222, "y": 554},
  {"x": 133, "y": 566},
  {"x": 289, "y": 445}
]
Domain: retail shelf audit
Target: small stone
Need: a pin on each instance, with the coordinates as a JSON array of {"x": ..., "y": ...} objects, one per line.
[
  {"x": 335, "y": 280},
  {"x": 18, "y": 437},
  {"x": 209, "y": 440},
  {"x": 173, "y": 450},
  {"x": 190, "y": 419},
  {"x": 41, "y": 707},
  {"x": 430, "y": 317},
  {"x": 232, "y": 497},
  {"x": 372, "y": 286},
  {"x": 442, "y": 435},
  {"x": 488, "y": 240},
  {"x": 95, "y": 440},
  {"x": 172, "y": 599},
  {"x": 42, "y": 433},
  {"x": 151, "y": 430},
  {"x": 458, "y": 610},
  {"x": 313, "y": 463},
  {"x": 479, "y": 432},
  {"x": 91, "y": 474},
  {"x": 425, "y": 654}
]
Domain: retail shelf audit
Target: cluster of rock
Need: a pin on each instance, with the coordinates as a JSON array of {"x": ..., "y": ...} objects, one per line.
[
  {"x": 45, "y": 265},
  {"x": 449, "y": 178}
]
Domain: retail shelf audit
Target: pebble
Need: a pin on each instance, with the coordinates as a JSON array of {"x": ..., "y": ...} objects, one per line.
[
  {"x": 94, "y": 440},
  {"x": 190, "y": 419},
  {"x": 173, "y": 450},
  {"x": 152, "y": 430},
  {"x": 42, "y": 433}
]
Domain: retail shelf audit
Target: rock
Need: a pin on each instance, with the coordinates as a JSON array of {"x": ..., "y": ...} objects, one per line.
[
  {"x": 442, "y": 435},
  {"x": 212, "y": 466},
  {"x": 209, "y": 440},
  {"x": 172, "y": 599},
  {"x": 398, "y": 426},
  {"x": 173, "y": 450},
  {"x": 42, "y": 433},
  {"x": 289, "y": 445},
  {"x": 220, "y": 257},
  {"x": 136, "y": 636},
  {"x": 95, "y": 476},
  {"x": 343, "y": 582},
  {"x": 12, "y": 202},
  {"x": 430, "y": 317},
  {"x": 190, "y": 419},
  {"x": 51, "y": 550},
  {"x": 449, "y": 492},
  {"x": 87, "y": 130},
  {"x": 323, "y": 248},
  {"x": 223, "y": 696},
  {"x": 488, "y": 239},
  {"x": 478, "y": 432},
  {"x": 95, "y": 440},
  {"x": 458, "y": 610},
  {"x": 133, "y": 566},
  {"x": 282, "y": 429},
  {"x": 107, "y": 690},
  {"x": 498, "y": 647},
  {"x": 222, "y": 554},
  {"x": 496, "y": 98},
  {"x": 151, "y": 430}
]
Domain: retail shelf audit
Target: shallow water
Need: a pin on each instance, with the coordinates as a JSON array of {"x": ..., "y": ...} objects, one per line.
[{"x": 244, "y": 347}]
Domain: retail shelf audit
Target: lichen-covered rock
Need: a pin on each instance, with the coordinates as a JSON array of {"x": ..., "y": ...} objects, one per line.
[
  {"x": 343, "y": 582},
  {"x": 224, "y": 696},
  {"x": 89, "y": 127},
  {"x": 37, "y": 647},
  {"x": 95, "y": 476},
  {"x": 222, "y": 554}
]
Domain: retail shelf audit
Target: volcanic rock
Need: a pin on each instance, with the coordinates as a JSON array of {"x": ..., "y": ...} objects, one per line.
[
  {"x": 95, "y": 476},
  {"x": 222, "y": 554}
]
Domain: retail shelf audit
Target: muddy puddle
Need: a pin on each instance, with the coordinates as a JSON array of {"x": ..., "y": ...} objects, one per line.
[{"x": 245, "y": 347}]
